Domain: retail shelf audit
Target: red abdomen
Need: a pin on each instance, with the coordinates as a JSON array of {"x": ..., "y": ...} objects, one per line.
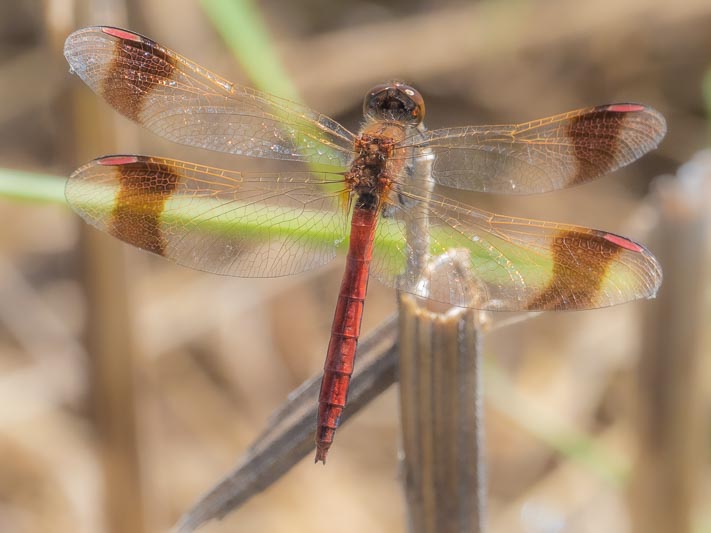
[{"x": 346, "y": 329}]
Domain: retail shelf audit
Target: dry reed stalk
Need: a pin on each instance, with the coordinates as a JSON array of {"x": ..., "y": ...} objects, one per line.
[
  {"x": 290, "y": 434},
  {"x": 109, "y": 330},
  {"x": 442, "y": 422},
  {"x": 670, "y": 418}
]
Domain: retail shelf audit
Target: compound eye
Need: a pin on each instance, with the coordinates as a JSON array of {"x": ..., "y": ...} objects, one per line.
[
  {"x": 417, "y": 105},
  {"x": 373, "y": 101},
  {"x": 394, "y": 101}
]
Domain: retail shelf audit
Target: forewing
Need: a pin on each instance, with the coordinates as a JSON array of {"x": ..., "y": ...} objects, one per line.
[
  {"x": 181, "y": 101},
  {"x": 494, "y": 262},
  {"x": 233, "y": 223},
  {"x": 542, "y": 155}
]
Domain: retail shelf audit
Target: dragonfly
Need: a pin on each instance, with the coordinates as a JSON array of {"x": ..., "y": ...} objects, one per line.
[{"x": 375, "y": 194}]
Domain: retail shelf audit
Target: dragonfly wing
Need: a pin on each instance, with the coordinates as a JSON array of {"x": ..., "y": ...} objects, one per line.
[
  {"x": 495, "y": 262},
  {"x": 183, "y": 102},
  {"x": 233, "y": 223},
  {"x": 546, "y": 154}
]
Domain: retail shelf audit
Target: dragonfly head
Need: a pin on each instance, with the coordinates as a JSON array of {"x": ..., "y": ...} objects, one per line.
[{"x": 394, "y": 101}]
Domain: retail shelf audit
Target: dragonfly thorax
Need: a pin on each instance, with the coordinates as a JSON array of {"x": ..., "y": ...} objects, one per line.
[{"x": 368, "y": 173}]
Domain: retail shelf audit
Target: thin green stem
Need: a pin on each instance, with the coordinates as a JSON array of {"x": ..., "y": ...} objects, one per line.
[
  {"x": 31, "y": 186},
  {"x": 219, "y": 216},
  {"x": 242, "y": 28}
]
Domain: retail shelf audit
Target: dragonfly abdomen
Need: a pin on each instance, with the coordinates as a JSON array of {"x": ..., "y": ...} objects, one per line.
[{"x": 346, "y": 327}]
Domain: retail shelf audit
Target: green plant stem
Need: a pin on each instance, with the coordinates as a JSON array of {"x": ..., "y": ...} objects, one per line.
[
  {"x": 31, "y": 187},
  {"x": 242, "y": 28}
]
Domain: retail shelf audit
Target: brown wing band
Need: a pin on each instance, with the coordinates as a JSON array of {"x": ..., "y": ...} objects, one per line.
[
  {"x": 596, "y": 148},
  {"x": 127, "y": 88},
  {"x": 140, "y": 202},
  {"x": 592, "y": 255}
]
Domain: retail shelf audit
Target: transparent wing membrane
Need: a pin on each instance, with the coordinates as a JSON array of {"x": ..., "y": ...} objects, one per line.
[
  {"x": 543, "y": 155},
  {"x": 514, "y": 264},
  {"x": 241, "y": 224},
  {"x": 183, "y": 102}
]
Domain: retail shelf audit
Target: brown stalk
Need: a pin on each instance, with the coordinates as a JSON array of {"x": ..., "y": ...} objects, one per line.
[
  {"x": 290, "y": 435},
  {"x": 109, "y": 332},
  {"x": 441, "y": 414},
  {"x": 670, "y": 417},
  {"x": 442, "y": 423}
]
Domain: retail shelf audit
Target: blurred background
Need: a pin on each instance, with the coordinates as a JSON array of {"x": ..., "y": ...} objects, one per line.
[{"x": 128, "y": 385}]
